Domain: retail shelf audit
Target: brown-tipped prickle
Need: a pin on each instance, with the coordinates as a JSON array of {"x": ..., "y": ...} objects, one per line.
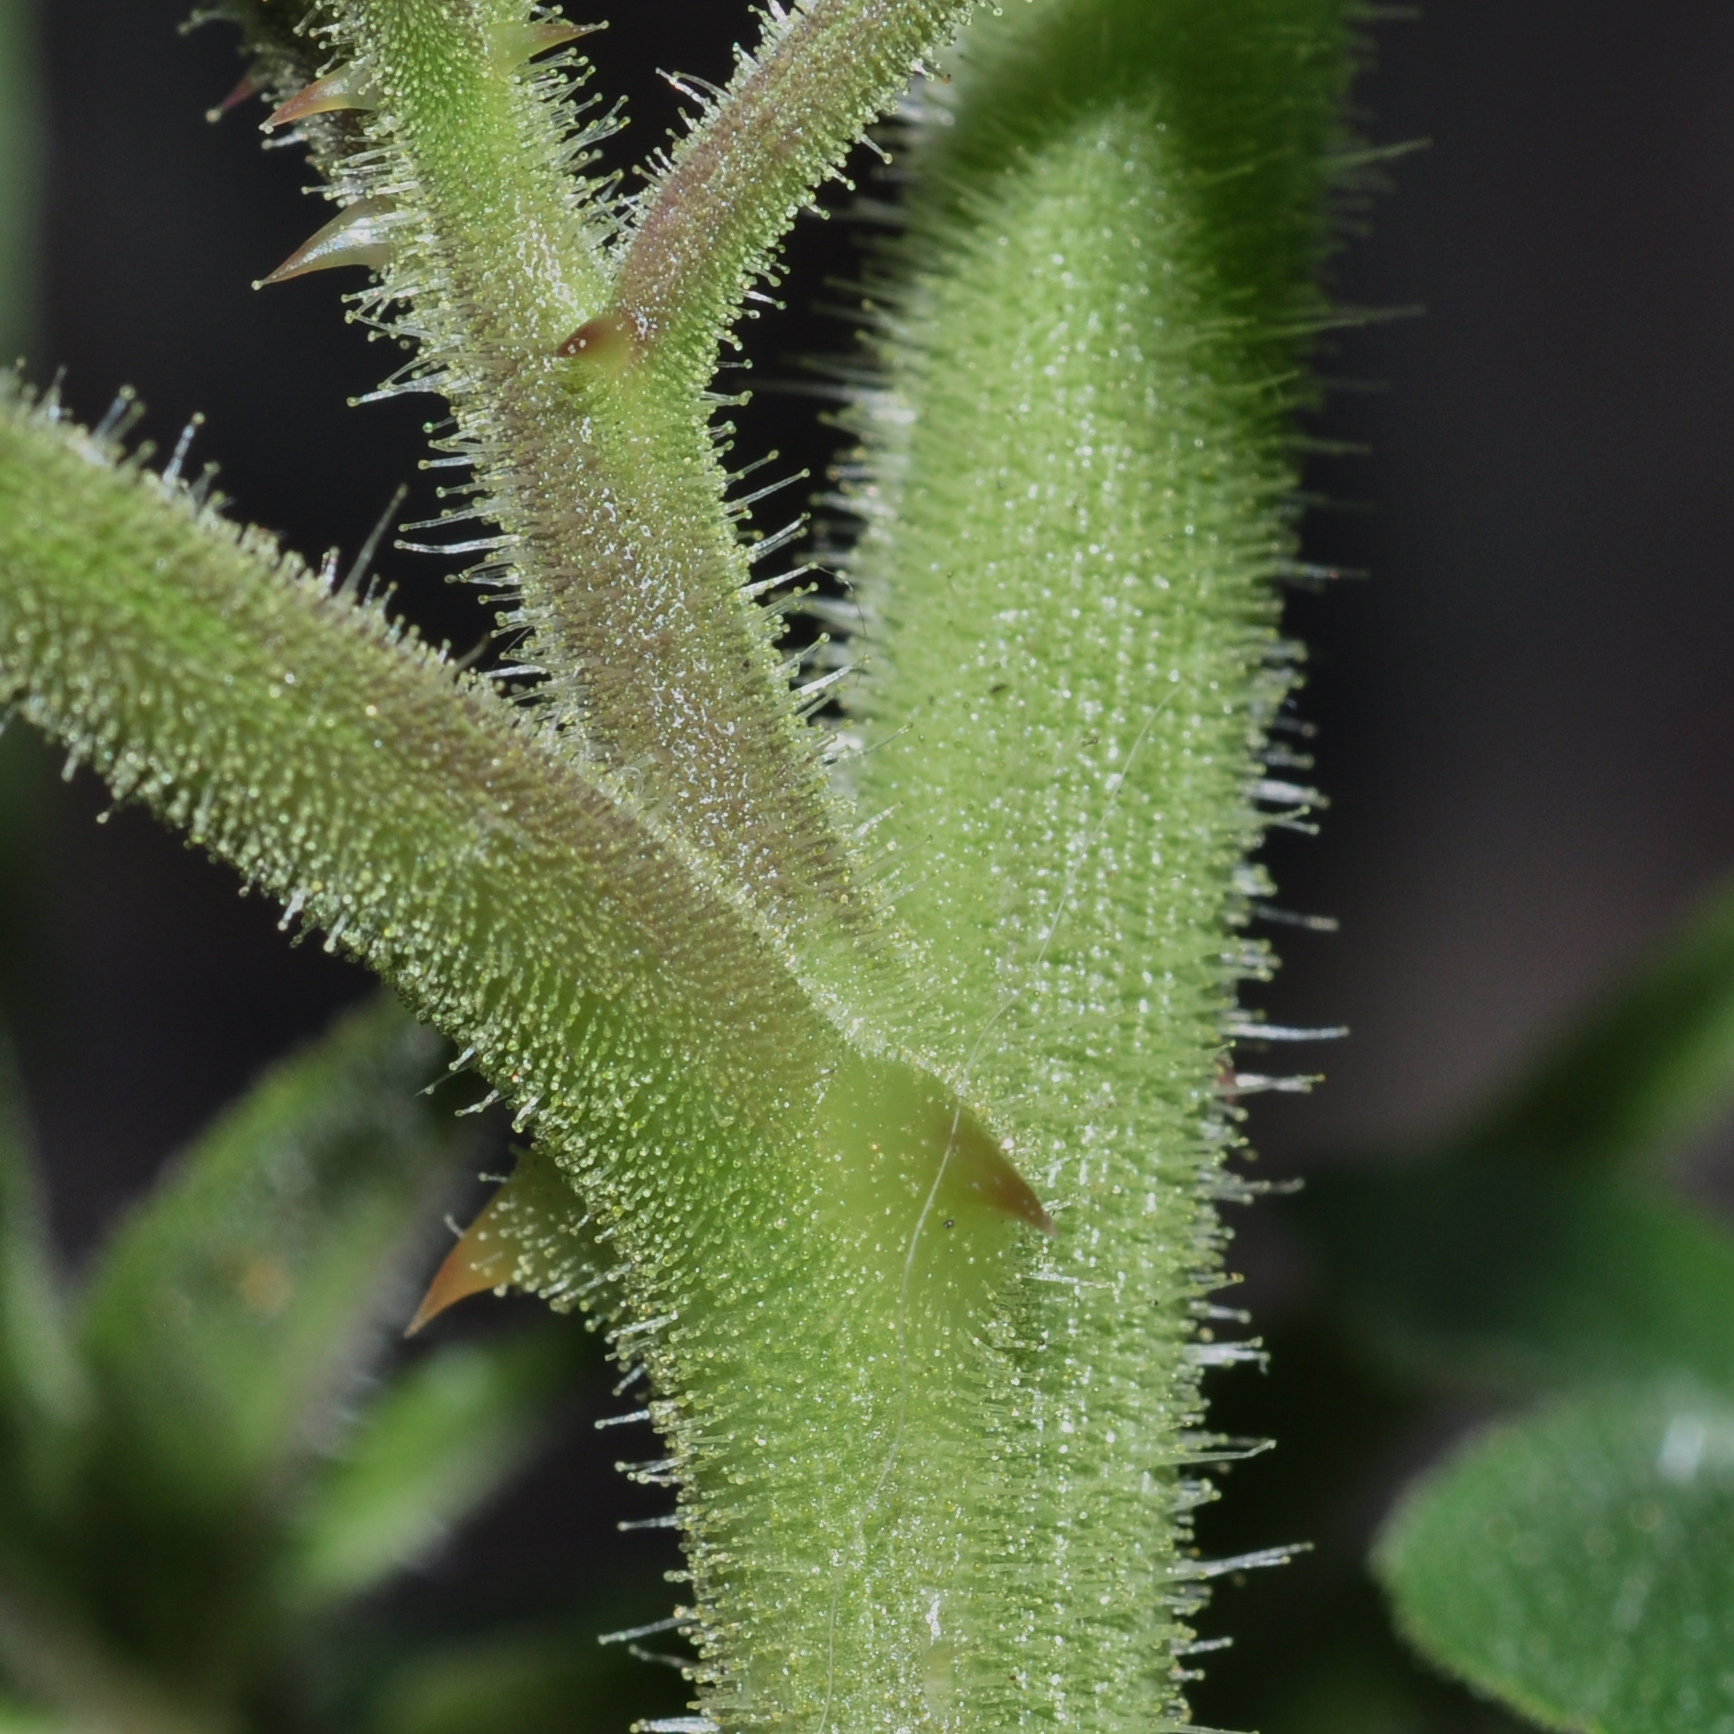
[
  {"x": 347, "y": 88},
  {"x": 358, "y": 237}
]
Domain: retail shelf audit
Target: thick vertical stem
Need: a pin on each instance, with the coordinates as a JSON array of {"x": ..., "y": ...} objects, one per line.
[{"x": 1080, "y": 468}]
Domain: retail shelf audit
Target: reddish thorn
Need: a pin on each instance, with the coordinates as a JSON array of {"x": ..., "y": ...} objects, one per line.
[
  {"x": 604, "y": 339},
  {"x": 480, "y": 1260},
  {"x": 356, "y": 237},
  {"x": 343, "y": 89},
  {"x": 557, "y": 35},
  {"x": 978, "y": 1165},
  {"x": 516, "y": 43}
]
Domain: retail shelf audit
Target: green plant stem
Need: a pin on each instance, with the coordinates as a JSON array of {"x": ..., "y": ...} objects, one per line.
[
  {"x": 1076, "y": 478},
  {"x": 344, "y": 770},
  {"x": 757, "y": 1185},
  {"x": 628, "y": 569},
  {"x": 789, "y": 117},
  {"x": 934, "y": 1471}
]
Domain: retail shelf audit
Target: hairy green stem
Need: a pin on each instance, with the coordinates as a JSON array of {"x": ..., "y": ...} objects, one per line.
[
  {"x": 1075, "y": 495},
  {"x": 627, "y": 567},
  {"x": 347, "y": 771},
  {"x": 787, "y": 120},
  {"x": 758, "y": 1187},
  {"x": 631, "y": 579},
  {"x": 933, "y": 1468}
]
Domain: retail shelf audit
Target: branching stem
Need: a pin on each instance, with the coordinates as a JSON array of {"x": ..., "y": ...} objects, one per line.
[
  {"x": 927, "y": 1415},
  {"x": 792, "y": 113}
]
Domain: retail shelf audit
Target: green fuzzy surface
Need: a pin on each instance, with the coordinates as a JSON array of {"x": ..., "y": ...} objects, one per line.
[
  {"x": 617, "y": 554},
  {"x": 933, "y": 1466},
  {"x": 1075, "y": 488},
  {"x": 754, "y": 1187}
]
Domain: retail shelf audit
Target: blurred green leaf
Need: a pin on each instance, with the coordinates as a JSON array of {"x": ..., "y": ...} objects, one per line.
[
  {"x": 42, "y": 1389},
  {"x": 17, "y": 1718},
  {"x": 1520, "y": 1279},
  {"x": 446, "y": 1435},
  {"x": 554, "y": 1680},
  {"x": 1648, "y": 1066},
  {"x": 1580, "y": 1563},
  {"x": 228, "y": 1321},
  {"x": 21, "y": 179},
  {"x": 228, "y": 1312},
  {"x": 1349, "y": 1690},
  {"x": 1528, "y": 1252}
]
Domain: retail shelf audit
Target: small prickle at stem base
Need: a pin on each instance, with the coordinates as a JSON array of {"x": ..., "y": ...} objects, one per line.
[
  {"x": 482, "y": 1259},
  {"x": 605, "y": 341}
]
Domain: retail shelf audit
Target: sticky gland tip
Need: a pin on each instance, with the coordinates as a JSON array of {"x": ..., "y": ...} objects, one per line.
[{"x": 249, "y": 86}]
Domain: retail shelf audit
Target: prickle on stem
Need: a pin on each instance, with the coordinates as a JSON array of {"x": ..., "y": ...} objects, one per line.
[
  {"x": 513, "y": 44},
  {"x": 484, "y": 1258},
  {"x": 349, "y": 87},
  {"x": 357, "y": 237},
  {"x": 605, "y": 341}
]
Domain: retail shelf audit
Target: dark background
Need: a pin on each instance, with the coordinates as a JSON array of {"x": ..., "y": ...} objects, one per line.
[{"x": 1526, "y": 716}]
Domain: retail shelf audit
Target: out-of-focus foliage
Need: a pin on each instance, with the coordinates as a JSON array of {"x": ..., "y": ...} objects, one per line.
[
  {"x": 20, "y": 150},
  {"x": 199, "y": 1464},
  {"x": 1578, "y": 1563},
  {"x": 1572, "y": 1561}
]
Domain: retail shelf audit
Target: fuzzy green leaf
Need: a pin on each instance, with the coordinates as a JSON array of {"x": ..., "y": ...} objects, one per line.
[
  {"x": 226, "y": 1327},
  {"x": 443, "y": 1439},
  {"x": 1579, "y": 1563},
  {"x": 221, "y": 1328}
]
